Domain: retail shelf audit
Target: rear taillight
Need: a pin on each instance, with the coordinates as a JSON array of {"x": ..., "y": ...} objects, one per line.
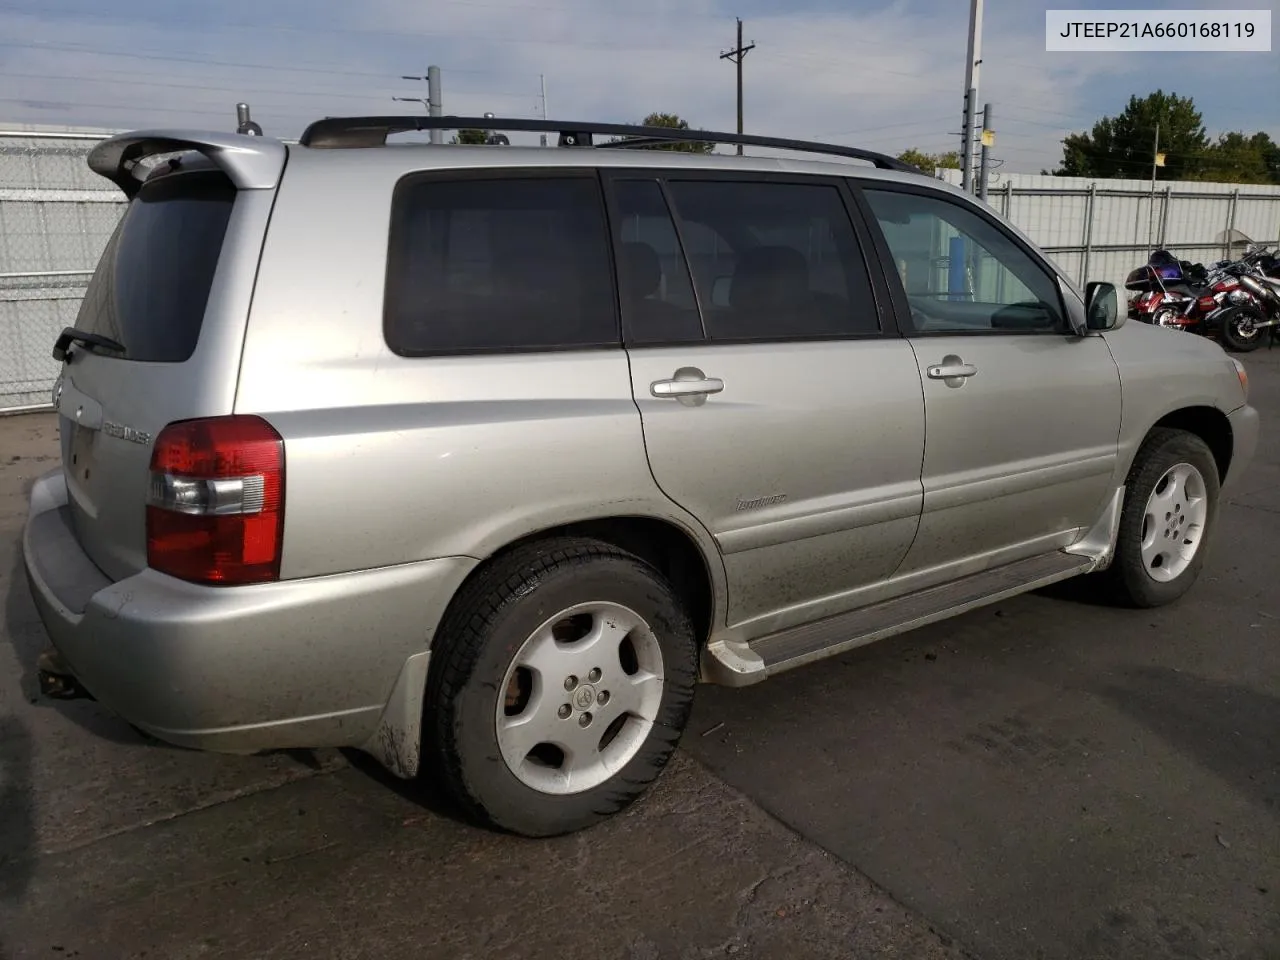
[{"x": 215, "y": 508}]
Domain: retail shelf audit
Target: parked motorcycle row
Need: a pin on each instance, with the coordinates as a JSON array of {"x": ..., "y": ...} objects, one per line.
[{"x": 1235, "y": 301}]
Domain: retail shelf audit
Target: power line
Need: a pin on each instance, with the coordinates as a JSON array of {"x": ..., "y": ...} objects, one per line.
[
  {"x": 49, "y": 16},
  {"x": 256, "y": 90},
  {"x": 681, "y": 24},
  {"x": 657, "y": 46},
  {"x": 931, "y": 121}
]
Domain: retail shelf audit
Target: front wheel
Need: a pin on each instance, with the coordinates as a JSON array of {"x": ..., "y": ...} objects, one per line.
[
  {"x": 1170, "y": 508},
  {"x": 1240, "y": 332},
  {"x": 560, "y": 682}
]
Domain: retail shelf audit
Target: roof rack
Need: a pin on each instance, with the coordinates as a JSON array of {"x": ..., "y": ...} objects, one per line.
[{"x": 348, "y": 132}]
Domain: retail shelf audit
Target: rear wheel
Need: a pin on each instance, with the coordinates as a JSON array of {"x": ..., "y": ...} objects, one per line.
[
  {"x": 561, "y": 680},
  {"x": 1239, "y": 331},
  {"x": 1170, "y": 508}
]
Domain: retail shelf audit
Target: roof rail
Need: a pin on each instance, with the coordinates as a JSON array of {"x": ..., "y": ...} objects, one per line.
[{"x": 340, "y": 132}]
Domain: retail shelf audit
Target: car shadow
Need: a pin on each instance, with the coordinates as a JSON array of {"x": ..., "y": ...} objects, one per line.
[
  {"x": 17, "y": 814},
  {"x": 1232, "y": 730},
  {"x": 1086, "y": 590},
  {"x": 424, "y": 790}
]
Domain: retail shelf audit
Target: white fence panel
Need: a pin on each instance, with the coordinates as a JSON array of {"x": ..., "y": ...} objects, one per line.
[{"x": 1102, "y": 229}]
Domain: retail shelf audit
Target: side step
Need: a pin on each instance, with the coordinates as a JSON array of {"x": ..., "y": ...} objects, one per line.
[{"x": 798, "y": 646}]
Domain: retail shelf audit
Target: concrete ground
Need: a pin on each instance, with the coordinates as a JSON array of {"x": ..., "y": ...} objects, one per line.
[{"x": 1045, "y": 778}]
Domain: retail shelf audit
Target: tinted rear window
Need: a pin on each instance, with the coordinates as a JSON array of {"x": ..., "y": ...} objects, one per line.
[
  {"x": 774, "y": 260},
  {"x": 499, "y": 264},
  {"x": 152, "y": 284}
]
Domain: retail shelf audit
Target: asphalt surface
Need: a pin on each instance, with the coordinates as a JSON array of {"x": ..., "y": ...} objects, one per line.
[{"x": 1045, "y": 778}]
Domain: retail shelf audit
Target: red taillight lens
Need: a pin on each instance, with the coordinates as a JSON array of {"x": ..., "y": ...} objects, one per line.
[{"x": 215, "y": 510}]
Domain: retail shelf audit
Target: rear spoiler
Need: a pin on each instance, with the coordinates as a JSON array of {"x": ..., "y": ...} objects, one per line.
[{"x": 252, "y": 163}]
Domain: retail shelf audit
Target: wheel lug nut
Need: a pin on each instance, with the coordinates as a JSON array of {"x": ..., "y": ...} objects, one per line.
[
  {"x": 584, "y": 720},
  {"x": 603, "y": 697},
  {"x": 564, "y": 711},
  {"x": 570, "y": 682},
  {"x": 594, "y": 675}
]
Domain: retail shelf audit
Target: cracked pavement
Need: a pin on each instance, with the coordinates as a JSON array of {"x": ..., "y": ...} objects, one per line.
[{"x": 1041, "y": 779}]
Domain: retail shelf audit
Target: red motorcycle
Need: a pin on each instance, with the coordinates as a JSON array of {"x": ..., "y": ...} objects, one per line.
[{"x": 1217, "y": 302}]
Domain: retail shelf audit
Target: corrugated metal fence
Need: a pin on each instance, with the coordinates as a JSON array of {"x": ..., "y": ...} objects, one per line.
[
  {"x": 1102, "y": 229},
  {"x": 56, "y": 216}
]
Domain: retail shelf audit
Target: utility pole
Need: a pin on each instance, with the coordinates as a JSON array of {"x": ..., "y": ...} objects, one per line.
[
  {"x": 988, "y": 140},
  {"x": 736, "y": 56},
  {"x": 542, "y": 79},
  {"x": 971, "y": 91},
  {"x": 433, "y": 101},
  {"x": 1155, "y": 162},
  {"x": 966, "y": 157}
]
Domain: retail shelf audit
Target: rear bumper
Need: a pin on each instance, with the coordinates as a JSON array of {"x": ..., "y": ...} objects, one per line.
[
  {"x": 1244, "y": 437},
  {"x": 300, "y": 663}
]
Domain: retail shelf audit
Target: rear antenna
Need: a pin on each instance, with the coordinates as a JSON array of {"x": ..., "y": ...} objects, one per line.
[{"x": 244, "y": 124}]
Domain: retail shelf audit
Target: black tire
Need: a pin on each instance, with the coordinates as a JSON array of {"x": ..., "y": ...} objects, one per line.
[
  {"x": 1127, "y": 577},
  {"x": 481, "y": 634},
  {"x": 1232, "y": 338}
]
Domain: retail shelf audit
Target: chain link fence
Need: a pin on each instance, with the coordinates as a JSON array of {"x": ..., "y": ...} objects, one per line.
[{"x": 55, "y": 217}]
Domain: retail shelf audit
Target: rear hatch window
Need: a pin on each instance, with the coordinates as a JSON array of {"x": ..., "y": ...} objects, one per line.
[
  {"x": 151, "y": 286},
  {"x": 149, "y": 295}
]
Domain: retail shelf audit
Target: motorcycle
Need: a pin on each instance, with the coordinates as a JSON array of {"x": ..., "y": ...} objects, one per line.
[
  {"x": 1234, "y": 301},
  {"x": 1253, "y": 286}
]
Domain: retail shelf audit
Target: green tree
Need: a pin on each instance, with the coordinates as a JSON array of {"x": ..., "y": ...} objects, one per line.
[
  {"x": 931, "y": 163},
  {"x": 1121, "y": 146},
  {"x": 1270, "y": 151},
  {"x": 1238, "y": 158},
  {"x": 673, "y": 121},
  {"x": 472, "y": 137}
]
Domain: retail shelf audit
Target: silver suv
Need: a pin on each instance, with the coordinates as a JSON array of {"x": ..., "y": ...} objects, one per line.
[{"x": 480, "y": 458}]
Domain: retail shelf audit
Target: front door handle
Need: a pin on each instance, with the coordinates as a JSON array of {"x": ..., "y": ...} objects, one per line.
[
  {"x": 951, "y": 368},
  {"x": 689, "y": 385}
]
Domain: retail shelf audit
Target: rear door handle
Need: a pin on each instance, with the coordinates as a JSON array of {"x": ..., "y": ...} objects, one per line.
[
  {"x": 686, "y": 388},
  {"x": 689, "y": 385},
  {"x": 946, "y": 371}
]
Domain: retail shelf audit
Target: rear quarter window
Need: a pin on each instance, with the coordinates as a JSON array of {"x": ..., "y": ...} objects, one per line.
[
  {"x": 498, "y": 264},
  {"x": 151, "y": 286}
]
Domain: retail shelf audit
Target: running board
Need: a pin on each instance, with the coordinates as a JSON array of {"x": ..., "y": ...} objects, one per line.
[{"x": 739, "y": 664}]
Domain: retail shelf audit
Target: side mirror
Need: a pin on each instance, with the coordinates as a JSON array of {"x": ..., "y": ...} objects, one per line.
[{"x": 1102, "y": 306}]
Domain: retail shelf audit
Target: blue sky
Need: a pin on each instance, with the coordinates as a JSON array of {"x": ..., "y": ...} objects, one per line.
[{"x": 886, "y": 74}]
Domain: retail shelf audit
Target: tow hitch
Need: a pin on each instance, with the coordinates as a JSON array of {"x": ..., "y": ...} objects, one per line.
[{"x": 56, "y": 681}]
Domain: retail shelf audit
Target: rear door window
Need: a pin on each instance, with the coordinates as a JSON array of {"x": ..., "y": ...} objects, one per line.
[
  {"x": 151, "y": 286},
  {"x": 774, "y": 260},
  {"x": 658, "y": 305},
  {"x": 498, "y": 264}
]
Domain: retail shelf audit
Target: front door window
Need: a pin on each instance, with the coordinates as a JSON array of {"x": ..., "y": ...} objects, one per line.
[{"x": 961, "y": 273}]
